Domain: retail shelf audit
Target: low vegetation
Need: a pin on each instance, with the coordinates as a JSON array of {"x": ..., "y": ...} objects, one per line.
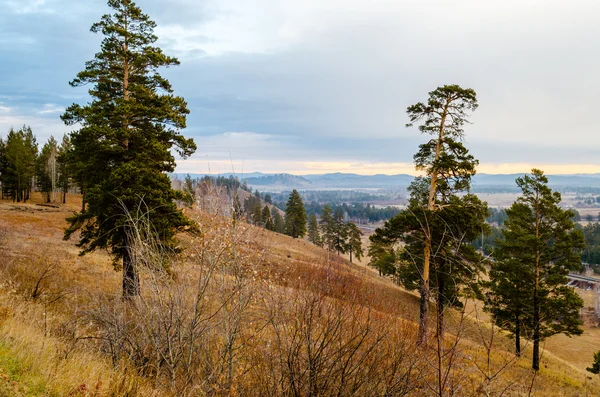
[{"x": 242, "y": 311}]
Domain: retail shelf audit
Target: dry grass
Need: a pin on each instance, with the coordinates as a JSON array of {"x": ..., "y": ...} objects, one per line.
[{"x": 42, "y": 353}]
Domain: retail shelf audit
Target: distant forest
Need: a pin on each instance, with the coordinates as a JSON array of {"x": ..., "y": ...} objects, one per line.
[{"x": 354, "y": 204}]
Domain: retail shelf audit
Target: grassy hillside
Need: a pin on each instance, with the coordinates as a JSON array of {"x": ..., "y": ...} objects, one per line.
[{"x": 242, "y": 311}]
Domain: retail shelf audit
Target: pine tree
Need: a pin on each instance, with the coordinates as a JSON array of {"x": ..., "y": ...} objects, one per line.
[
  {"x": 47, "y": 170},
  {"x": 64, "y": 177},
  {"x": 257, "y": 218},
  {"x": 267, "y": 220},
  {"x": 295, "y": 216},
  {"x": 444, "y": 159},
  {"x": 279, "y": 223},
  {"x": 3, "y": 168},
  {"x": 237, "y": 207},
  {"x": 340, "y": 232},
  {"x": 328, "y": 229},
  {"x": 20, "y": 156},
  {"x": 354, "y": 241},
  {"x": 313, "y": 231},
  {"x": 538, "y": 249},
  {"x": 455, "y": 263},
  {"x": 123, "y": 150},
  {"x": 595, "y": 368},
  {"x": 189, "y": 191}
]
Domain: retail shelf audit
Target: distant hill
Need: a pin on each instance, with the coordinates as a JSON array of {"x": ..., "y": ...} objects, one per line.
[
  {"x": 341, "y": 180},
  {"x": 284, "y": 180},
  {"x": 345, "y": 180}
]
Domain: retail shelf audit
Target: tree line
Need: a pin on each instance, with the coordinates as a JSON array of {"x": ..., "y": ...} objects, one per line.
[
  {"x": 358, "y": 212},
  {"x": 24, "y": 167},
  {"x": 331, "y": 230}
]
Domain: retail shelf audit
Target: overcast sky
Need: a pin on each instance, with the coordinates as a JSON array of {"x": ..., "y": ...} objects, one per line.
[{"x": 314, "y": 86}]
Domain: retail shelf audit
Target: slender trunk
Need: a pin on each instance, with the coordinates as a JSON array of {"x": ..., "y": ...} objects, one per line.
[
  {"x": 440, "y": 307},
  {"x": 350, "y": 256},
  {"x": 536, "y": 322},
  {"x": 131, "y": 281},
  {"x": 517, "y": 336},
  {"x": 536, "y": 298},
  {"x": 439, "y": 336},
  {"x": 427, "y": 249},
  {"x": 82, "y": 200}
]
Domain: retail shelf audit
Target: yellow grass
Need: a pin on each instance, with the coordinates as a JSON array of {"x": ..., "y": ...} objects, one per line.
[{"x": 38, "y": 357}]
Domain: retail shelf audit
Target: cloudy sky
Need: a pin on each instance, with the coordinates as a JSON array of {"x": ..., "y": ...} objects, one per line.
[{"x": 314, "y": 86}]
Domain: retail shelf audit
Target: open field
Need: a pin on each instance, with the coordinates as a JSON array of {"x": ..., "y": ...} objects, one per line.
[{"x": 47, "y": 347}]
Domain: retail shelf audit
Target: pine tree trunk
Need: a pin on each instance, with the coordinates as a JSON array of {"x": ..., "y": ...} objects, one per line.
[
  {"x": 350, "y": 256},
  {"x": 131, "y": 281},
  {"x": 536, "y": 323},
  {"x": 427, "y": 249},
  {"x": 536, "y": 298},
  {"x": 440, "y": 307},
  {"x": 517, "y": 336},
  {"x": 423, "y": 308}
]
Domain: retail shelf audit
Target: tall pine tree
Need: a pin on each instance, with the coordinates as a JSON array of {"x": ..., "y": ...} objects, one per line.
[
  {"x": 446, "y": 162},
  {"x": 123, "y": 150},
  {"x": 64, "y": 177},
  {"x": 538, "y": 249},
  {"x": 354, "y": 241},
  {"x": 327, "y": 223},
  {"x": 397, "y": 247},
  {"x": 313, "y": 231},
  {"x": 340, "y": 232},
  {"x": 20, "y": 154},
  {"x": 295, "y": 216}
]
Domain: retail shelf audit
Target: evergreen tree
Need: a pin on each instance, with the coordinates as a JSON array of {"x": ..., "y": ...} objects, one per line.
[
  {"x": 595, "y": 368},
  {"x": 446, "y": 162},
  {"x": 340, "y": 232},
  {"x": 47, "y": 170},
  {"x": 328, "y": 230},
  {"x": 20, "y": 157},
  {"x": 189, "y": 191},
  {"x": 279, "y": 223},
  {"x": 267, "y": 220},
  {"x": 354, "y": 241},
  {"x": 397, "y": 247},
  {"x": 538, "y": 249},
  {"x": 313, "y": 231},
  {"x": 123, "y": 150},
  {"x": 257, "y": 218},
  {"x": 64, "y": 177},
  {"x": 268, "y": 198},
  {"x": 295, "y": 216},
  {"x": 3, "y": 168},
  {"x": 237, "y": 207}
]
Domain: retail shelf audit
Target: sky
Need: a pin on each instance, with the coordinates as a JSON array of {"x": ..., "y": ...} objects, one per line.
[{"x": 317, "y": 86}]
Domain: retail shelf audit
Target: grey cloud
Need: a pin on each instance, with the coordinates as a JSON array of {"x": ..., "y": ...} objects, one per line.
[{"x": 340, "y": 91}]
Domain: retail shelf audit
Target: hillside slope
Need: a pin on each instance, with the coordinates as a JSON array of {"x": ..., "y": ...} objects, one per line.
[{"x": 273, "y": 289}]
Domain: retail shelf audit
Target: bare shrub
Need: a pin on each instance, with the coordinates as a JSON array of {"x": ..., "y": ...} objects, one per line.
[
  {"x": 321, "y": 346},
  {"x": 185, "y": 329}
]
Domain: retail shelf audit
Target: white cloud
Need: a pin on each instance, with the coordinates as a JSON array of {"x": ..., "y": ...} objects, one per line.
[
  {"x": 51, "y": 108},
  {"x": 29, "y": 6}
]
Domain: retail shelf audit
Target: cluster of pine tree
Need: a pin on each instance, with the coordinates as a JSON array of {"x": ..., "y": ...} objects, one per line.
[
  {"x": 24, "y": 168},
  {"x": 428, "y": 246},
  {"x": 258, "y": 212},
  {"x": 357, "y": 212},
  {"x": 334, "y": 233}
]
